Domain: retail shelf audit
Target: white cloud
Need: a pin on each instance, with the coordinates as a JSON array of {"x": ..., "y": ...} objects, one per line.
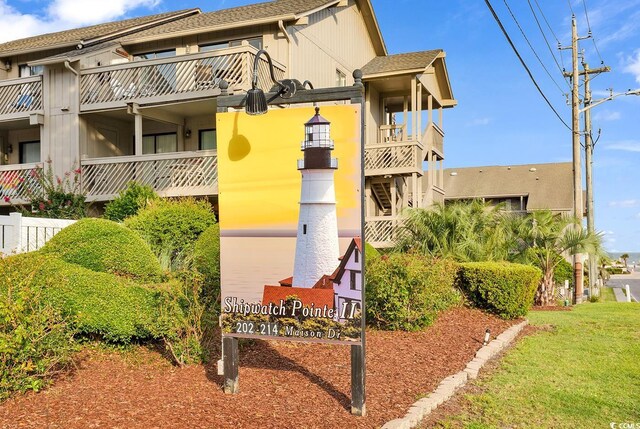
[
  {"x": 633, "y": 65},
  {"x": 89, "y": 12},
  {"x": 63, "y": 14},
  {"x": 625, "y": 145},
  {"x": 624, "y": 203},
  {"x": 607, "y": 115},
  {"x": 478, "y": 122}
]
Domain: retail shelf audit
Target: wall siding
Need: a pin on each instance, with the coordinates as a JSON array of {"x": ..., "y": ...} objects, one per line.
[
  {"x": 60, "y": 139},
  {"x": 320, "y": 48}
]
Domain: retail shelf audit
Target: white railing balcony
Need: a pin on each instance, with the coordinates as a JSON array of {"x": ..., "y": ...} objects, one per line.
[
  {"x": 169, "y": 174},
  {"x": 382, "y": 231},
  {"x": 20, "y": 97},
  {"x": 393, "y": 158},
  {"x": 182, "y": 77},
  {"x": 18, "y": 183}
]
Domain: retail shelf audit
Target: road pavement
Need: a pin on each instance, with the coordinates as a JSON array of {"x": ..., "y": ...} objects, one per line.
[{"x": 633, "y": 280}]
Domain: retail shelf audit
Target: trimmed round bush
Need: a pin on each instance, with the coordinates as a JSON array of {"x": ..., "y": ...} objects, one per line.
[
  {"x": 206, "y": 259},
  {"x": 502, "y": 288},
  {"x": 107, "y": 247},
  {"x": 92, "y": 303},
  {"x": 407, "y": 291},
  {"x": 129, "y": 201},
  {"x": 171, "y": 228}
]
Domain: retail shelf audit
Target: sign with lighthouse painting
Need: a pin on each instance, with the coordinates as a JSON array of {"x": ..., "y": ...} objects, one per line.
[{"x": 290, "y": 202}]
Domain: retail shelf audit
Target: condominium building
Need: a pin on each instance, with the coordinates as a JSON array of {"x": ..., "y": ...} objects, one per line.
[{"x": 136, "y": 100}]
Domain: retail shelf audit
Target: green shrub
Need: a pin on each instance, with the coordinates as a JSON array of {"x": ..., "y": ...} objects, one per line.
[
  {"x": 616, "y": 270},
  {"x": 105, "y": 246},
  {"x": 129, "y": 202},
  {"x": 562, "y": 272},
  {"x": 406, "y": 291},
  {"x": 503, "y": 288},
  {"x": 171, "y": 228},
  {"x": 206, "y": 259},
  {"x": 100, "y": 304},
  {"x": 371, "y": 252},
  {"x": 35, "y": 341}
]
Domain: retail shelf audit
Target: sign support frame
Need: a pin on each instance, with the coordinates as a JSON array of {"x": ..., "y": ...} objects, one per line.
[{"x": 355, "y": 95}]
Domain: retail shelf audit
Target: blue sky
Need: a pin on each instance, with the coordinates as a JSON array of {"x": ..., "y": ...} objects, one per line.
[{"x": 500, "y": 119}]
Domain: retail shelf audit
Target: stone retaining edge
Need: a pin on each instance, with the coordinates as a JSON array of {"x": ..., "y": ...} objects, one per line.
[{"x": 447, "y": 387}]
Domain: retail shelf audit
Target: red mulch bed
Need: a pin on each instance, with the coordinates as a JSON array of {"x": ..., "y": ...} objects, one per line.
[{"x": 283, "y": 384}]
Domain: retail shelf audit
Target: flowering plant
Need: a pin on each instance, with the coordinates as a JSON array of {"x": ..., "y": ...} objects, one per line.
[{"x": 51, "y": 196}]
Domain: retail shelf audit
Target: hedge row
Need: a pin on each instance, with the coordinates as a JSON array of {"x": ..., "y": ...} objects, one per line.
[
  {"x": 113, "y": 308},
  {"x": 502, "y": 288},
  {"x": 406, "y": 291}
]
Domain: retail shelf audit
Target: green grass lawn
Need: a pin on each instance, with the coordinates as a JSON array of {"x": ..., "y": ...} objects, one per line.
[{"x": 584, "y": 372}]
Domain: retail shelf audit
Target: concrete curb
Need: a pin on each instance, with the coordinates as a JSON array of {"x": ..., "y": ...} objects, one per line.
[{"x": 447, "y": 387}]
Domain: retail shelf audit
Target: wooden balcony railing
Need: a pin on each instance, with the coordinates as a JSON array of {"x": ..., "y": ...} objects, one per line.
[
  {"x": 170, "y": 79},
  {"x": 382, "y": 231},
  {"x": 20, "y": 97},
  {"x": 18, "y": 183},
  {"x": 435, "y": 136},
  {"x": 169, "y": 174},
  {"x": 393, "y": 158}
]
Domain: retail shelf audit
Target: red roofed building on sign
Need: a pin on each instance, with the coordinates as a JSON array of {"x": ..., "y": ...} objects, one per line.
[
  {"x": 307, "y": 296},
  {"x": 342, "y": 290}
]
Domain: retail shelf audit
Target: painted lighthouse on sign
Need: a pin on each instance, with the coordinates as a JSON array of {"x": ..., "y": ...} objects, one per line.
[{"x": 317, "y": 246}]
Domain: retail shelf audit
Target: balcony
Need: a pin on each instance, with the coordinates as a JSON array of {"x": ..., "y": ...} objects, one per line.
[
  {"x": 18, "y": 182},
  {"x": 184, "y": 77},
  {"x": 169, "y": 174},
  {"x": 382, "y": 231},
  {"x": 435, "y": 138},
  {"x": 20, "y": 97},
  {"x": 395, "y": 153}
]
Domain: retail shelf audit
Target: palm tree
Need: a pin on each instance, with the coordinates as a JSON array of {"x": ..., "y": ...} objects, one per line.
[
  {"x": 544, "y": 238},
  {"x": 464, "y": 231},
  {"x": 624, "y": 257}
]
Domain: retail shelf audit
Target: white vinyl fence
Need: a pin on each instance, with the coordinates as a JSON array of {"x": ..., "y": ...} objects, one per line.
[{"x": 20, "y": 234}]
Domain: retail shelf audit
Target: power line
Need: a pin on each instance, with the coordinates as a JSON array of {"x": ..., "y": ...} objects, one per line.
[
  {"x": 515, "y": 50},
  {"x": 544, "y": 17},
  {"x": 586, "y": 14},
  {"x": 544, "y": 36},
  {"x": 531, "y": 46},
  {"x": 571, "y": 7}
]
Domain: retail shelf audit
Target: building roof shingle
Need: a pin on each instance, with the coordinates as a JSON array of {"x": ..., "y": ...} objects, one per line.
[
  {"x": 74, "y": 36},
  {"x": 238, "y": 16},
  {"x": 400, "y": 62},
  {"x": 547, "y": 186}
]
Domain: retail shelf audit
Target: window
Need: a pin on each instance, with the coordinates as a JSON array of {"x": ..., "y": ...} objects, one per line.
[
  {"x": 341, "y": 78},
  {"x": 207, "y": 140},
  {"x": 256, "y": 42},
  {"x": 356, "y": 255},
  {"x": 29, "y": 152},
  {"x": 25, "y": 70},
  {"x": 352, "y": 280},
  {"x": 304, "y": 228},
  {"x": 153, "y": 55},
  {"x": 159, "y": 143}
]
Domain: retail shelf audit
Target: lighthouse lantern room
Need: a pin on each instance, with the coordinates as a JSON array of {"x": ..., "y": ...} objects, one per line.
[{"x": 317, "y": 248}]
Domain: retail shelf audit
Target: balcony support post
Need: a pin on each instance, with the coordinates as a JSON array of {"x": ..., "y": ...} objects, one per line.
[{"x": 138, "y": 133}]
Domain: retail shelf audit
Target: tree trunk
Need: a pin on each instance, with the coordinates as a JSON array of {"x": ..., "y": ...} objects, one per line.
[{"x": 545, "y": 292}]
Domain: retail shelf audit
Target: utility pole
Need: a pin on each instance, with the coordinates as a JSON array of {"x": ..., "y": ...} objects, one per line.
[
  {"x": 588, "y": 160},
  {"x": 577, "y": 168}
]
